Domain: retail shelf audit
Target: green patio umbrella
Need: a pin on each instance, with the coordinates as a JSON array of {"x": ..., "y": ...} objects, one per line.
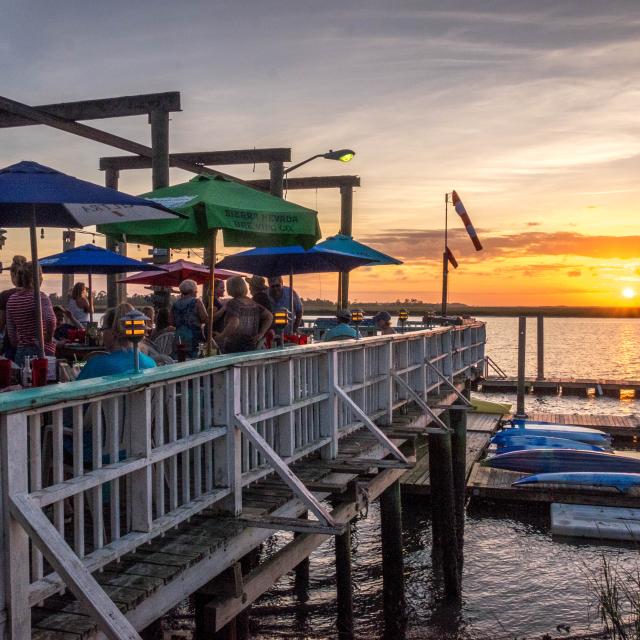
[{"x": 246, "y": 216}]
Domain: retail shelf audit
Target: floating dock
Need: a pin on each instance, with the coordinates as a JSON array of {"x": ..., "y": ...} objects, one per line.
[{"x": 564, "y": 386}]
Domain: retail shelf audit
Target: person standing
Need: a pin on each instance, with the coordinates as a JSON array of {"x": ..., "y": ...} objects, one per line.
[
  {"x": 259, "y": 291},
  {"x": 79, "y": 304},
  {"x": 282, "y": 297},
  {"x": 188, "y": 315},
  {"x": 21, "y": 317},
  {"x": 8, "y": 349},
  {"x": 245, "y": 321}
]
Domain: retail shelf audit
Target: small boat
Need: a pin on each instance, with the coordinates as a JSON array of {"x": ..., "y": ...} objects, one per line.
[
  {"x": 521, "y": 442},
  {"x": 581, "y": 434},
  {"x": 561, "y": 460},
  {"x": 623, "y": 482},
  {"x": 488, "y": 406}
]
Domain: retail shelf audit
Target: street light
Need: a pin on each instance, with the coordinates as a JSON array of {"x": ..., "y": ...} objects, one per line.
[{"x": 343, "y": 155}]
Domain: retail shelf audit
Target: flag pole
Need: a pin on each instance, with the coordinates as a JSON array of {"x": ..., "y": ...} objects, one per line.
[{"x": 445, "y": 258}]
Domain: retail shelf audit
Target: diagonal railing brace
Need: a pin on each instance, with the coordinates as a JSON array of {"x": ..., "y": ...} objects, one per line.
[
  {"x": 421, "y": 403},
  {"x": 62, "y": 558},
  {"x": 375, "y": 430},
  {"x": 448, "y": 383},
  {"x": 281, "y": 468}
]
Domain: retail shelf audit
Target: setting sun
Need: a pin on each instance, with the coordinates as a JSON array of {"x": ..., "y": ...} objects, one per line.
[{"x": 628, "y": 293}]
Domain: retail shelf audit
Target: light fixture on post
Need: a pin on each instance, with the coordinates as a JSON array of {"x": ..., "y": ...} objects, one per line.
[
  {"x": 342, "y": 155},
  {"x": 134, "y": 328}
]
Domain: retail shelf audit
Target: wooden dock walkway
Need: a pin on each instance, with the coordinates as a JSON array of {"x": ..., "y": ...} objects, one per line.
[
  {"x": 565, "y": 386},
  {"x": 480, "y": 427},
  {"x": 618, "y": 426}
]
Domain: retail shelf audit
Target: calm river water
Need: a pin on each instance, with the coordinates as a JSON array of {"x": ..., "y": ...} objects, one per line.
[{"x": 518, "y": 580}]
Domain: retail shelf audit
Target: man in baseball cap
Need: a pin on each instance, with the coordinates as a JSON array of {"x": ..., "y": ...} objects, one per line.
[{"x": 343, "y": 330}]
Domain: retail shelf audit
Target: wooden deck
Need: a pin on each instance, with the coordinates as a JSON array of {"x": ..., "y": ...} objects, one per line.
[{"x": 480, "y": 427}]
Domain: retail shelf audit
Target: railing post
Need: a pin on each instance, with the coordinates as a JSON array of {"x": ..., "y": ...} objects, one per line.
[
  {"x": 286, "y": 426},
  {"x": 15, "y": 467},
  {"x": 141, "y": 481},
  {"x": 387, "y": 387},
  {"x": 540, "y": 350},
  {"x": 329, "y": 408},
  {"x": 234, "y": 440},
  {"x": 522, "y": 352}
]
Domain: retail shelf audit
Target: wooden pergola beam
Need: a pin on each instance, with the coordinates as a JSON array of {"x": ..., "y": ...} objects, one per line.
[
  {"x": 99, "y": 109},
  {"x": 98, "y": 135},
  {"x": 319, "y": 182},
  {"x": 232, "y": 156}
]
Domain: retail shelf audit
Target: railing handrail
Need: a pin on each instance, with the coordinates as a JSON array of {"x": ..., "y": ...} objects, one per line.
[{"x": 34, "y": 398}]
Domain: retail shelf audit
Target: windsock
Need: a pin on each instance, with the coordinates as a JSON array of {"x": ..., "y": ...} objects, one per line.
[
  {"x": 451, "y": 258},
  {"x": 462, "y": 212}
]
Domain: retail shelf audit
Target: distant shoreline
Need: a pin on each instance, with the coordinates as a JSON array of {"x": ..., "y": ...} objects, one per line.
[{"x": 414, "y": 309}]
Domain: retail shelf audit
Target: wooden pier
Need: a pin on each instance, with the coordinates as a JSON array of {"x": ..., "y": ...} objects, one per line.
[
  {"x": 124, "y": 495},
  {"x": 564, "y": 386}
]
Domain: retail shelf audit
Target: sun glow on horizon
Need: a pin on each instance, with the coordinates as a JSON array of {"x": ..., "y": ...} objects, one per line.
[{"x": 628, "y": 293}]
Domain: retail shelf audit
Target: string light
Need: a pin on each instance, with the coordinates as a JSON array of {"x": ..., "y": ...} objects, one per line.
[{"x": 42, "y": 234}]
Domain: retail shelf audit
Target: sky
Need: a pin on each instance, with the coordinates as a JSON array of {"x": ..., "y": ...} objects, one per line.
[{"x": 530, "y": 111}]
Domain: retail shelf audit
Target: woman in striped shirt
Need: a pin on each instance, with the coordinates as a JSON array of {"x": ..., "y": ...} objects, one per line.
[{"x": 21, "y": 320}]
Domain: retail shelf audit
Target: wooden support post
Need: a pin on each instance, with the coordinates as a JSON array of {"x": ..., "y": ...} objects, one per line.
[
  {"x": 302, "y": 570},
  {"x": 522, "y": 352},
  {"x": 276, "y": 178},
  {"x": 68, "y": 242},
  {"x": 227, "y": 584},
  {"x": 159, "y": 120},
  {"x": 116, "y": 293},
  {"x": 443, "y": 513},
  {"x": 458, "y": 423},
  {"x": 346, "y": 228},
  {"x": 540, "y": 351},
  {"x": 394, "y": 604},
  {"x": 344, "y": 584}
]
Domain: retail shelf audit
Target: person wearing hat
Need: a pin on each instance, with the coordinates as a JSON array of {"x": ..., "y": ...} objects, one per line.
[
  {"x": 382, "y": 321},
  {"x": 258, "y": 289},
  {"x": 282, "y": 297},
  {"x": 343, "y": 330}
]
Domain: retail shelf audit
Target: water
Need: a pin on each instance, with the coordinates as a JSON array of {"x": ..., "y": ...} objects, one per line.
[{"x": 518, "y": 581}]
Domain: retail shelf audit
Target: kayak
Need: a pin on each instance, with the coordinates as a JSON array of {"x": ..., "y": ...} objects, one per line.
[
  {"x": 581, "y": 434},
  {"x": 488, "y": 406},
  {"x": 561, "y": 460},
  {"x": 521, "y": 442},
  {"x": 623, "y": 482}
]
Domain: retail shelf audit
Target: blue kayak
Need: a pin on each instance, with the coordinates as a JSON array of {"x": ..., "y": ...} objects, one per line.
[
  {"x": 623, "y": 482},
  {"x": 561, "y": 460},
  {"x": 520, "y": 442},
  {"x": 580, "y": 434}
]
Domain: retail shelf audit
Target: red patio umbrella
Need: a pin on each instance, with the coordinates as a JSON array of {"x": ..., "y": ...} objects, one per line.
[{"x": 174, "y": 273}]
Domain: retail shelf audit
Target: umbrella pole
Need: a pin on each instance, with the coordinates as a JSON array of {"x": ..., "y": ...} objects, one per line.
[
  {"x": 212, "y": 264},
  {"x": 90, "y": 297},
  {"x": 36, "y": 283},
  {"x": 291, "y": 299}
]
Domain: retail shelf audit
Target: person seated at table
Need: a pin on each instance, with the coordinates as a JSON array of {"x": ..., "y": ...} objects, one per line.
[
  {"x": 187, "y": 316},
  {"x": 8, "y": 349},
  {"x": 21, "y": 317},
  {"x": 150, "y": 312},
  {"x": 382, "y": 321},
  {"x": 162, "y": 324},
  {"x": 79, "y": 304},
  {"x": 245, "y": 321},
  {"x": 119, "y": 358},
  {"x": 343, "y": 330},
  {"x": 281, "y": 298},
  {"x": 65, "y": 323}
]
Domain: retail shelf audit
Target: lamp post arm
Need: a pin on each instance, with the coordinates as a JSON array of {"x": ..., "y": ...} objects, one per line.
[{"x": 295, "y": 166}]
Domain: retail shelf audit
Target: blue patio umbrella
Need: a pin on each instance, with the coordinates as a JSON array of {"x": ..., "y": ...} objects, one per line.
[
  {"x": 92, "y": 260},
  {"x": 347, "y": 245},
  {"x": 279, "y": 261},
  {"x": 32, "y": 195}
]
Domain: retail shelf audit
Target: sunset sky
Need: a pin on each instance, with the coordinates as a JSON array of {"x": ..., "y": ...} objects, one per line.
[{"x": 531, "y": 111}]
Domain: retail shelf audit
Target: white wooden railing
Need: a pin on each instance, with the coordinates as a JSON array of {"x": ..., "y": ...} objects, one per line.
[{"x": 92, "y": 470}]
